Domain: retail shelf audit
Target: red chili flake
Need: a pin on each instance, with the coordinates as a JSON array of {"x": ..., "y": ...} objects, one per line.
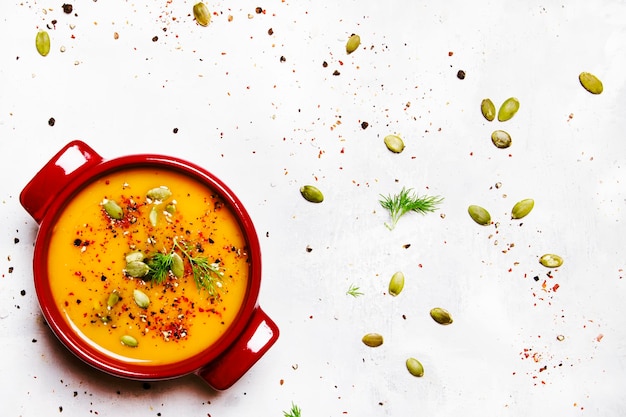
[{"x": 556, "y": 287}]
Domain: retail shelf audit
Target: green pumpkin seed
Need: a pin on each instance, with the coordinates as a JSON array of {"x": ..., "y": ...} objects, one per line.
[
  {"x": 201, "y": 14},
  {"x": 373, "y": 339},
  {"x": 394, "y": 143},
  {"x": 508, "y": 109},
  {"x": 141, "y": 299},
  {"x": 113, "y": 209},
  {"x": 415, "y": 367},
  {"x": 396, "y": 284},
  {"x": 522, "y": 208},
  {"x": 136, "y": 269},
  {"x": 42, "y": 42},
  {"x": 154, "y": 216},
  {"x": 114, "y": 297},
  {"x": 488, "y": 109},
  {"x": 312, "y": 194},
  {"x": 353, "y": 43},
  {"x": 159, "y": 194},
  {"x": 591, "y": 83},
  {"x": 441, "y": 316},
  {"x": 479, "y": 215},
  {"x": 129, "y": 341},
  {"x": 135, "y": 256},
  {"x": 550, "y": 260},
  {"x": 170, "y": 208},
  {"x": 178, "y": 267},
  {"x": 501, "y": 139}
]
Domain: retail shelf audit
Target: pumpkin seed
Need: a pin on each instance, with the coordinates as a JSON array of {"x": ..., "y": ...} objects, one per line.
[
  {"x": 415, "y": 367},
  {"x": 394, "y": 143},
  {"x": 522, "y": 208},
  {"x": 114, "y": 297},
  {"x": 479, "y": 215},
  {"x": 353, "y": 43},
  {"x": 154, "y": 216},
  {"x": 501, "y": 139},
  {"x": 135, "y": 256},
  {"x": 141, "y": 299},
  {"x": 373, "y": 339},
  {"x": 137, "y": 269},
  {"x": 202, "y": 14},
  {"x": 508, "y": 109},
  {"x": 129, "y": 341},
  {"x": 170, "y": 208},
  {"x": 550, "y": 260},
  {"x": 159, "y": 194},
  {"x": 113, "y": 209},
  {"x": 312, "y": 194},
  {"x": 441, "y": 316},
  {"x": 591, "y": 83},
  {"x": 488, "y": 109},
  {"x": 178, "y": 267},
  {"x": 396, "y": 284},
  {"x": 42, "y": 42}
]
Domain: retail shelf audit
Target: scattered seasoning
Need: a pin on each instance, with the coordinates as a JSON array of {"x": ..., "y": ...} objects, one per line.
[
  {"x": 51, "y": 121},
  {"x": 460, "y": 75}
]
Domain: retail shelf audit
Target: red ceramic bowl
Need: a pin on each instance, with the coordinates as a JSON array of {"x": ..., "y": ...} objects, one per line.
[{"x": 222, "y": 363}]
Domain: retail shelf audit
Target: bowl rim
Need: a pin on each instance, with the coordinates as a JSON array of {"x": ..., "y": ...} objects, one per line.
[{"x": 77, "y": 344}]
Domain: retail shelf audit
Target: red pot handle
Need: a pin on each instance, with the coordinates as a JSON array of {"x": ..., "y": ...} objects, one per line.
[
  {"x": 76, "y": 156},
  {"x": 259, "y": 335}
]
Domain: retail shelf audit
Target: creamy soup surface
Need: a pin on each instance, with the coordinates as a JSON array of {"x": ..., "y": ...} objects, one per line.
[{"x": 148, "y": 265}]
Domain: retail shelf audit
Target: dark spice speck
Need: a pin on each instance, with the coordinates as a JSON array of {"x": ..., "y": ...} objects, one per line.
[
  {"x": 460, "y": 75},
  {"x": 51, "y": 121},
  {"x": 67, "y": 8}
]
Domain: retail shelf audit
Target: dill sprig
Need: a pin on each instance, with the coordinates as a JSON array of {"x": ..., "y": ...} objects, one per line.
[
  {"x": 208, "y": 275},
  {"x": 354, "y": 291},
  {"x": 160, "y": 265},
  {"x": 294, "y": 412},
  {"x": 406, "y": 201}
]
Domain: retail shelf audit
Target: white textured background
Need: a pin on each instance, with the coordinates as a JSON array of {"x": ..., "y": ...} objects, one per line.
[{"x": 266, "y": 127}]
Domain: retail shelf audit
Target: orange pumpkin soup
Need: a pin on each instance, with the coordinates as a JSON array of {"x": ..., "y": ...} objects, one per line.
[{"x": 148, "y": 265}]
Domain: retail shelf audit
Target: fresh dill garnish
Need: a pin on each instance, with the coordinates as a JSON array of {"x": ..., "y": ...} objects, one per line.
[
  {"x": 406, "y": 201},
  {"x": 207, "y": 275},
  {"x": 160, "y": 265},
  {"x": 354, "y": 291},
  {"x": 294, "y": 412}
]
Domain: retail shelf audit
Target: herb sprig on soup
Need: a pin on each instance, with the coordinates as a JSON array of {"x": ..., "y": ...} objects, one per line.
[{"x": 149, "y": 265}]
